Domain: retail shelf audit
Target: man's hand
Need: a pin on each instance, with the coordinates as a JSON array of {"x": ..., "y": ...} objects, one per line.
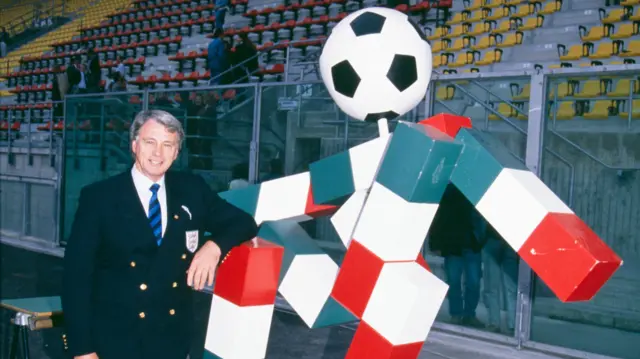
[
  {"x": 203, "y": 266},
  {"x": 87, "y": 356}
]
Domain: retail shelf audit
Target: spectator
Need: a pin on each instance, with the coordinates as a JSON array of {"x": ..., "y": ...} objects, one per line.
[
  {"x": 4, "y": 42},
  {"x": 245, "y": 55},
  {"x": 121, "y": 68},
  {"x": 457, "y": 235},
  {"x": 217, "y": 60},
  {"x": 76, "y": 77},
  {"x": 500, "y": 263},
  {"x": 119, "y": 83},
  {"x": 239, "y": 176},
  {"x": 207, "y": 130},
  {"x": 94, "y": 73},
  {"x": 222, "y": 6},
  {"x": 276, "y": 170}
]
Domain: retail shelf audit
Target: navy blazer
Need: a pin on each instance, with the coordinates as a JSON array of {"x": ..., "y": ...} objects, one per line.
[{"x": 124, "y": 296}]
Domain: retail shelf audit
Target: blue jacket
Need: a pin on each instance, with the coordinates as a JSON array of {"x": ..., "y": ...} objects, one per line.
[
  {"x": 217, "y": 60},
  {"x": 220, "y": 3}
]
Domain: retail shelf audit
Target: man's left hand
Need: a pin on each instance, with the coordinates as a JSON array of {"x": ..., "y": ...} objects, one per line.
[{"x": 203, "y": 266}]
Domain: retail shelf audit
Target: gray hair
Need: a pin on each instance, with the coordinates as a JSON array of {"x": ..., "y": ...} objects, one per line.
[{"x": 162, "y": 117}]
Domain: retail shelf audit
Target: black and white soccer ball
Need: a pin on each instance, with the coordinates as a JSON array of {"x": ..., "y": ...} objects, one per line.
[{"x": 376, "y": 64}]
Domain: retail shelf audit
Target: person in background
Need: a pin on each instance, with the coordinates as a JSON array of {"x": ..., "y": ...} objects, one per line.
[
  {"x": 239, "y": 176},
  {"x": 276, "y": 170},
  {"x": 137, "y": 251},
  {"x": 500, "y": 263},
  {"x": 4, "y": 42},
  {"x": 457, "y": 234},
  {"x": 244, "y": 54},
  {"x": 121, "y": 68},
  {"x": 222, "y": 6},
  {"x": 217, "y": 57},
  {"x": 75, "y": 76},
  {"x": 94, "y": 72}
]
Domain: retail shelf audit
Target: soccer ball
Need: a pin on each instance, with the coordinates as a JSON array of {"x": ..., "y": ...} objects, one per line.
[{"x": 376, "y": 64}]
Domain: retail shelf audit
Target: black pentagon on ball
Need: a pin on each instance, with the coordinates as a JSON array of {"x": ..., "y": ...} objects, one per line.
[
  {"x": 345, "y": 78},
  {"x": 403, "y": 71},
  {"x": 373, "y": 117},
  {"x": 418, "y": 29},
  {"x": 368, "y": 23}
]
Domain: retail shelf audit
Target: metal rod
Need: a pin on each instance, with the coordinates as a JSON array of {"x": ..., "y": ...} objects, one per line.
[
  {"x": 577, "y": 147},
  {"x": 632, "y": 87},
  {"x": 554, "y": 115}
]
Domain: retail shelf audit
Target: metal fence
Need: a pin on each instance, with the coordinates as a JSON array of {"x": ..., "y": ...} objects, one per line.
[{"x": 576, "y": 128}]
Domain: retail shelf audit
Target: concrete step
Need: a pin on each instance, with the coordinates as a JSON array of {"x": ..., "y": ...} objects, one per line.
[
  {"x": 585, "y": 4},
  {"x": 576, "y": 17},
  {"x": 563, "y": 35}
]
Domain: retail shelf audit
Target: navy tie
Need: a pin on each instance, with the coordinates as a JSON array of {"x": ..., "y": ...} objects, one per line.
[{"x": 155, "y": 214}]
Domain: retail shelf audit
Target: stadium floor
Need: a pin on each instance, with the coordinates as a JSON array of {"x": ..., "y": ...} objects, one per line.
[{"x": 30, "y": 274}]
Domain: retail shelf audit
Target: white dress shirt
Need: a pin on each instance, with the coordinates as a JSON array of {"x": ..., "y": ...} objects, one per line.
[{"x": 143, "y": 185}]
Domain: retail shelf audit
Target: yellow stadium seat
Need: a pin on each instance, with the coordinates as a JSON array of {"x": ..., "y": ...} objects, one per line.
[
  {"x": 440, "y": 31},
  {"x": 490, "y": 57},
  {"x": 635, "y": 14},
  {"x": 590, "y": 89},
  {"x": 479, "y": 29},
  {"x": 438, "y": 46},
  {"x": 599, "y": 110},
  {"x": 629, "y": 2},
  {"x": 575, "y": 52},
  {"x": 593, "y": 34},
  {"x": 475, "y": 16},
  {"x": 635, "y": 112},
  {"x": 457, "y": 18},
  {"x": 463, "y": 59},
  {"x": 523, "y": 10},
  {"x": 439, "y": 60},
  {"x": 622, "y": 88},
  {"x": 503, "y": 109},
  {"x": 484, "y": 42},
  {"x": 564, "y": 90},
  {"x": 532, "y": 23},
  {"x": 604, "y": 51},
  {"x": 458, "y": 45},
  {"x": 503, "y": 26},
  {"x": 473, "y": 4},
  {"x": 444, "y": 93},
  {"x": 496, "y": 14},
  {"x": 524, "y": 93},
  {"x": 455, "y": 31},
  {"x": 513, "y": 2},
  {"x": 512, "y": 39},
  {"x": 565, "y": 110},
  {"x": 551, "y": 7},
  {"x": 614, "y": 15},
  {"x": 632, "y": 51}
]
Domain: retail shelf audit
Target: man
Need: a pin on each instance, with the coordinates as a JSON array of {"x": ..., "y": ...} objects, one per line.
[
  {"x": 137, "y": 251},
  {"x": 458, "y": 235},
  {"x": 217, "y": 61}
]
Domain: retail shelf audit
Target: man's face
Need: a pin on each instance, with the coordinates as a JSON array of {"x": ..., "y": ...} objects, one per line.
[{"x": 155, "y": 149}]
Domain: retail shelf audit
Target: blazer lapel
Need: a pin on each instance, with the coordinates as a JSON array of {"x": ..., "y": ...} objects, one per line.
[
  {"x": 174, "y": 198},
  {"x": 130, "y": 207}
]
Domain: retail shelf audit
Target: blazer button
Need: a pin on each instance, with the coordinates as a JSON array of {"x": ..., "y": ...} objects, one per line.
[
  {"x": 184, "y": 256},
  {"x": 172, "y": 312},
  {"x": 142, "y": 315},
  {"x": 133, "y": 264},
  {"x": 143, "y": 286},
  {"x": 175, "y": 284}
]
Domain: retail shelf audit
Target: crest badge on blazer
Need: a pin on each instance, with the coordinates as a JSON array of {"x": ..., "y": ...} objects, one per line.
[{"x": 192, "y": 240}]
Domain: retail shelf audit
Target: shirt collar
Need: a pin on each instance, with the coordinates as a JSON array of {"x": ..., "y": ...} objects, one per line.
[{"x": 142, "y": 181}]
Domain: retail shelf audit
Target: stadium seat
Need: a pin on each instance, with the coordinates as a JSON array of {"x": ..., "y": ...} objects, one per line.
[
  {"x": 484, "y": 42},
  {"x": 590, "y": 89},
  {"x": 550, "y": 7},
  {"x": 511, "y": 39},
  {"x": 622, "y": 88},
  {"x": 629, "y": 2},
  {"x": 479, "y": 28},
  {"x": 566, "y": 110},
  {"x": 604, "y": 51},
  {"x": 635, "y": 112},
  {"x": 564, "y": 89},
  {"x": 490, "y": 57},
  {"x": 633, "y": 50},
  {"x": 523, "y": 10},
  {"x": 575, "y": 52},
  {"x": 503, "y": 109},
  {"x": 444, "y": 93},
  {"x": 625, "y": 31},
  {"x": 491, "y": 14},
  {"x": 612, "y": 16},
  {"x": 521, "y": 94},
  {"x": 592, "y": 34},
  {"x": 474, "y": 4},
  {"x": 599, "y": 110},
  {"x": 532, "y": 23}
]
